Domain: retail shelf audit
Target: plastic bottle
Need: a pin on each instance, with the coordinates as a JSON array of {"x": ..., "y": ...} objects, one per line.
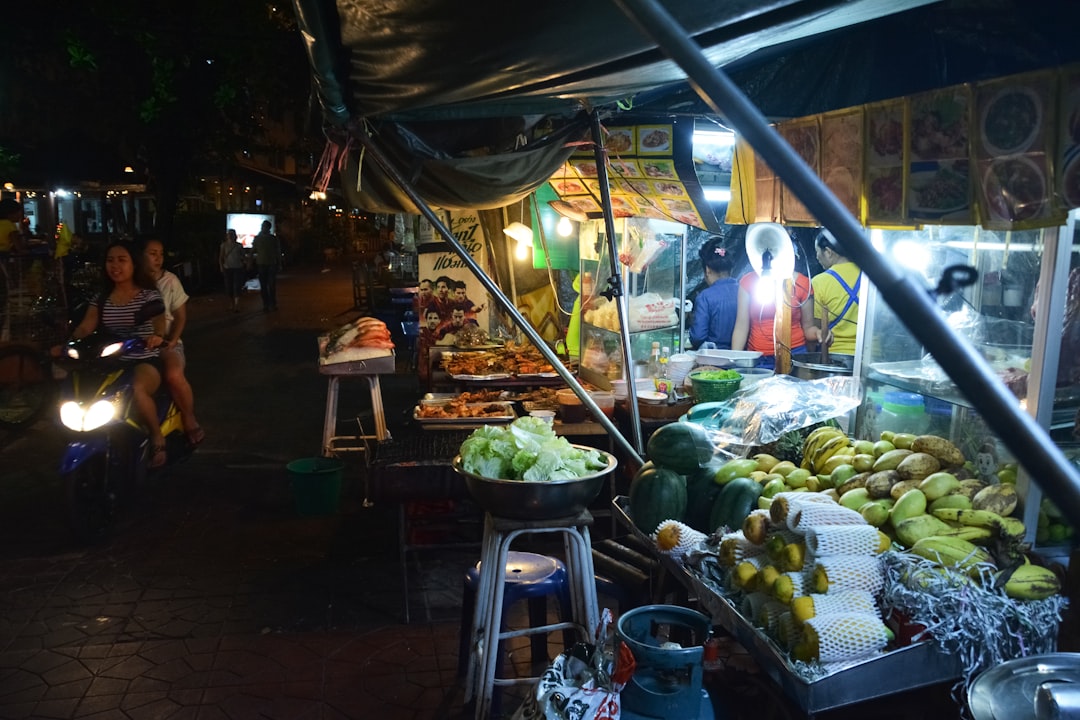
[
  {"x": 664, "y": 382},
  {"x": 654, "y": 361}
]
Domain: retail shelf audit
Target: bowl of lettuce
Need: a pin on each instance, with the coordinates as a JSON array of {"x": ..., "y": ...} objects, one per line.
[{"x": 524, "y": 471}]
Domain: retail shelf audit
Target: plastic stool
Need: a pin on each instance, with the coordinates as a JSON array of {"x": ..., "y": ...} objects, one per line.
[{"x": 499, "y": 534}]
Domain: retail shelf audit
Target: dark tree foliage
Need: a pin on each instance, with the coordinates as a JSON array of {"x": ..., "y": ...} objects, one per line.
[{"x": 174, "y": 89}]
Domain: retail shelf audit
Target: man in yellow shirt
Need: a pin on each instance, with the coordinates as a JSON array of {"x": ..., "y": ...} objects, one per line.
[{"x": 837, "y": 291}]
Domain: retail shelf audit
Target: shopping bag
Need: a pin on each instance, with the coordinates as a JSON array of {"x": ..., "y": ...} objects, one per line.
[{"x": 582, "y": 683}]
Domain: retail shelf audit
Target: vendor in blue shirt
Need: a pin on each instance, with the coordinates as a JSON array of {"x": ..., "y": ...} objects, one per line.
[{"x": 715, "y": 307}]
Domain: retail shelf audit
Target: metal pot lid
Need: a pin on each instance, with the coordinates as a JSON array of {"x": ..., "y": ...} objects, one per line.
[{"x": 1007, "y": 691}]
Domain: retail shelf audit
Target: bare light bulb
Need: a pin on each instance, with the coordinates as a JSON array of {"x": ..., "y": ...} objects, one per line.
[
  {"x": 521, "y": 252},
  {"x": 565, "y": 228}
]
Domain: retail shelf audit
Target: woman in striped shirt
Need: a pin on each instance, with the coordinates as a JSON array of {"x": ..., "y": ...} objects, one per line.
[{"x": 130, "y": 306}]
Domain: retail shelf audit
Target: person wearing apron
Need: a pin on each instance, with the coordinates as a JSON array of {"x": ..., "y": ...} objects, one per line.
[{"x": 837, "y": 291}]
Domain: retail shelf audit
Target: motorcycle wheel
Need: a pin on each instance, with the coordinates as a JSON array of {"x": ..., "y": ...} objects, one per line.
[
  {"x": 25, "y": 386},
  {"x": 92, "y": 505}
]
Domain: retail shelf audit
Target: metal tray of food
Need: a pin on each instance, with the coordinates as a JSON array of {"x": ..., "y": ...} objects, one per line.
[
  {"x": 506, "y": 415},
  {"x": 899, "y": 670}
]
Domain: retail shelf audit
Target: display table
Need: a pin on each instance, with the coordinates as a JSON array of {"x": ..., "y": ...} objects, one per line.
[
  {"x": 369, "y": 370},
  {"x": 905, "y": 668}
]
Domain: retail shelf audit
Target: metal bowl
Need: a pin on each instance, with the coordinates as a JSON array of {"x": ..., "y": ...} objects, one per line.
[{"x": 523, "y": 500}]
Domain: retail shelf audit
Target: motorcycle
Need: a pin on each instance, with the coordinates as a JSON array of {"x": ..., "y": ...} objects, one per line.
[{"x": 105, "y": 463}]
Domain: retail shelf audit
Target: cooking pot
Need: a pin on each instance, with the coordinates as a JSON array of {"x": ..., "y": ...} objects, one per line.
[{"x": 809, "y": 366}]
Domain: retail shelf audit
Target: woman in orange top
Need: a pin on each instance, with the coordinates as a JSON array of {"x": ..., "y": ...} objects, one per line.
[{"x": 754, "y": 320}]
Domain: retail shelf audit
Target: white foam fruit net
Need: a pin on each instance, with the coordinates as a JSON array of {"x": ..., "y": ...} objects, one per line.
[
  {"x": 842, "y": 540},
  {"x": 788, "y": 631},
  {"x": 734, "y": 548},
  {"x": 813, "y": 514},
  {"x": 784, "y": 504},
  {"x": 768, "y": 616},
  {"x": 798, "y": 582},
  {"x": 751, "y": 604},
  {"x": 847, "y": 636},
  {"x": 852, "y": 572},
  {"x": 844, "y": 602}
]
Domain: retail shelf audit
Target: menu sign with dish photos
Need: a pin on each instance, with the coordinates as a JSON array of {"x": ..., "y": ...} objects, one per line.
[
  {"x": 842, "y": 157},
  {"x": 1011, "y": 146},
  {"x": 1068, "y": 155},
  {"x": 804, "y": 136},
  {"x": 650, "y": 174},
  {"x": 884, "y": 153},
  {"x": 939, "y": 181}
]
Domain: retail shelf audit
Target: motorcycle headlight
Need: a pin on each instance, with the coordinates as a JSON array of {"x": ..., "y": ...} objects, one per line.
[
  {"x": 73, "y": 416},
  {"x": 111, "y": 349}
]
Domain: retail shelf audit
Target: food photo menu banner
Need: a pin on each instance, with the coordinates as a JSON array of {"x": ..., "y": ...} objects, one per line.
[
  {"x": 650, "y": 174},
  {"x": 1004, "y": 153}
]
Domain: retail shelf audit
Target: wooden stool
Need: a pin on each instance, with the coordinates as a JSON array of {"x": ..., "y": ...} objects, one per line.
[{"x": 499, "y": 534}]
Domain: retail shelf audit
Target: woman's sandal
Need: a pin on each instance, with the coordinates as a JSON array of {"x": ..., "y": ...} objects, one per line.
[
  {"x": 195, "y": 436},
  {"x": 158, "y": 456}
]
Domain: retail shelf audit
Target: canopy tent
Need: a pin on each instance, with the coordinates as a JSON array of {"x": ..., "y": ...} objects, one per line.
[{"x": 454, "y": 63}]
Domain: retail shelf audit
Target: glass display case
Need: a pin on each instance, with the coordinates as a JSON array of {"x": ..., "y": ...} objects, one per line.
[
  {"x": 652, "y": 260},
  {"x": 905, "y": 390}
]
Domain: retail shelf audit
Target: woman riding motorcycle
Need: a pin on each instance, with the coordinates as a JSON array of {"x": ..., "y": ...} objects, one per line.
[{"x": 130, "y": 306}]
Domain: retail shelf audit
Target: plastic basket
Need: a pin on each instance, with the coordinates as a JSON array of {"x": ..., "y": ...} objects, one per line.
[{"x": 706, "y": 390}]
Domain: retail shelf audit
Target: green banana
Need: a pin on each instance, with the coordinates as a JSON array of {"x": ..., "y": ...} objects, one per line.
[
  {"x": 1032, "y": 582},
  {"x": 952, "y": 552}
]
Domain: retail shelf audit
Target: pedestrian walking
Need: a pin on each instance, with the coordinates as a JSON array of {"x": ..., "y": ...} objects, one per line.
[
  {"x": 268, "y": 259},
  {"x": 231, "y": 262}
]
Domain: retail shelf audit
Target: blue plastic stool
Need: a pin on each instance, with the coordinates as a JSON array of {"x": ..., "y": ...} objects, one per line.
[{"x": 527, "y": 576}]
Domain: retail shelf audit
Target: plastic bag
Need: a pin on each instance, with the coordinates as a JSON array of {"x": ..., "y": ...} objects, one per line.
[
  {"x": 777, "y": 405},
  {"x": 584, "y": 682}
]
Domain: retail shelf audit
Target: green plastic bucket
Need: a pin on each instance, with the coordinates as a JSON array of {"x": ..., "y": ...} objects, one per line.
[{"x": 316, "y": 484}]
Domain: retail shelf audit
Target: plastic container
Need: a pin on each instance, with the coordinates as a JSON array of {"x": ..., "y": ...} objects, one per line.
[
  {"x": 547, "y": 416},
  {"x": 570, "y": 408},
  {"x": 706, "y": 390},
  {"x": 605, "y": 401},
  {"x": 316, "y": 485},
  {"x": 902, "y": 412}
]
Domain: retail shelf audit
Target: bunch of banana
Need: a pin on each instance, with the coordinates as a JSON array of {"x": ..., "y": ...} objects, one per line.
[
  {"x": 821, "y": 444},
  {"x": 1006, "y": 528},
  {"x": 1030, "y": 582},
  {"x": 952, "y": 552}
]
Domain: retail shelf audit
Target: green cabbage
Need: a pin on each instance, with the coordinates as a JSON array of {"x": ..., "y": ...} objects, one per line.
[{"x": 528, "y": 449}]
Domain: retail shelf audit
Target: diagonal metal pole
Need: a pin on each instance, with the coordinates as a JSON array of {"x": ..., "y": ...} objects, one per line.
[
  {"x": 372, "y": 148},
  {"x": 615, "y": 287},
  {"x": 995, "y": 404}
]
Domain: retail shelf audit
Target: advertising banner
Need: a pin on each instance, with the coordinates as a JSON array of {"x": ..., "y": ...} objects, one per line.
[{"x": 450, "y": 297}]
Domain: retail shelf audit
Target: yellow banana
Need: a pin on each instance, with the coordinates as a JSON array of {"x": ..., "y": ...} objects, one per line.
[
  {"x": 971, "y": 533},
  {"x": 826, "y": 451},
  {"x": 1008, "y": 528},
  {"x": 816, "y": 439},
  {"x": 952, "y": 552}
]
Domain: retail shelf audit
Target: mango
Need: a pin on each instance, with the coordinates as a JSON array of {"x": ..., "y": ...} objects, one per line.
[
  {"x": 739, "y": 467},
  {"x": 881, "y": 447},
  {"x": 903, "y": 441},
  {"x": 782, "y": 468},
  {"x": 970, "y": 487},
  {"x": 902, "y": 487},
  {"x": 855, "y": 498},
  {"x": 863, "y": 462},
  {"x": 774, "y": 486},
  {"x": 917, "y": 466},
  {"x": 890, "y": 460},
  {"x": 797, "y": 478},
  {"x": 758, "y": 476},
  {"x": 947, "y": 454},
  {"x": 910, "y": 504},
  {"x": 874, "y": 513},
  {"x": 855, "y": 481},
  {"x": 880, "y": 483},
  {"x": 887, "y": 435},
  {"x": 1001, "y": 499},
  {"x": 841, "y": 474},
  {"x": 765, "y": 462},
  {"x": 863, "y": 447},
  {"x": 938, "y": 485}
]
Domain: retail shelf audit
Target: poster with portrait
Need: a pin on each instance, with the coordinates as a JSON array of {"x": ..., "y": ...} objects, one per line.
[{"x": 449, "y": 298}]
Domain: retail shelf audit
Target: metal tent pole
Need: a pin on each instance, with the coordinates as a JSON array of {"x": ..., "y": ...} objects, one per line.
[
  {"x": 614, "y": 289},
  {"x": 549, "y": 354},
  {"x": 997, "y": 406}
]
